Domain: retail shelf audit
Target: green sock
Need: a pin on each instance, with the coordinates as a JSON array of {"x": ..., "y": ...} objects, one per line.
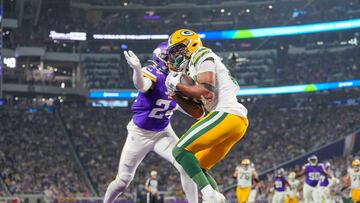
[
  {"x": 212, "y": 181},
  {"x": 200, "y": 180},
  {"x": 191, "y": 166}
]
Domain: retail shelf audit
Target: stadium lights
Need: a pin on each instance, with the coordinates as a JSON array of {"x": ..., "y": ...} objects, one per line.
[
  {"x": 281, "y": 31},
  {"x": 10, "y": 62},
  {"x": 130, "y": 37},
  {"x": 80, "y": 36},
  {"x": 224, "y": 34},
  {"x": 314, "y": 87}
]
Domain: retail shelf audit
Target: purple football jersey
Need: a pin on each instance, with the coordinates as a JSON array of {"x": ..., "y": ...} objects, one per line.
[
  {"x": 153, "y": 109},
  {"x": 313, "y": 174},
  {"x": 324, "y": 181},
  {"x": 279, "y": 183}
]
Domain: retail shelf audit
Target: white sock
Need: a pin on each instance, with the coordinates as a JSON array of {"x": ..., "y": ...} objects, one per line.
[
  {"x": 189, "y": 186},
  {"x": 207, "y": 191}
]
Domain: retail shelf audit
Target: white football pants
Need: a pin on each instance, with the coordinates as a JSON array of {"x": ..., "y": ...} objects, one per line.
[{"x": 139, "y": 143}]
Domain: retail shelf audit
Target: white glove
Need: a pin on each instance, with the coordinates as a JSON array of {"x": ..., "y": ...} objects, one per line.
[
  {"x": 132, "y": 60},
  {"x": 171, "y": 81}
]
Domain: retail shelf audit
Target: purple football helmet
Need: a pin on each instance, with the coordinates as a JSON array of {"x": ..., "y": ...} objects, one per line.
[{"x": 159, "y": 57}]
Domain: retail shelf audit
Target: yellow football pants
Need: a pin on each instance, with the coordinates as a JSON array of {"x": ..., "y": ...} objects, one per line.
[
  {"x": 242, "y": 194},
  {"x": 355, "y": 195},
  {"x": 289, "y": 199},
  {"x": 212, "y": 137}
]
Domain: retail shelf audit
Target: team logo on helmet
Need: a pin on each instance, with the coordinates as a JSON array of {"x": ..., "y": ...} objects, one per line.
[{"x": 187, "y": 33}]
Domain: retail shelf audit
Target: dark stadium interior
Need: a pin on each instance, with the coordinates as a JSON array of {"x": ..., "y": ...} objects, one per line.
[{"x": 56, "y": 146}]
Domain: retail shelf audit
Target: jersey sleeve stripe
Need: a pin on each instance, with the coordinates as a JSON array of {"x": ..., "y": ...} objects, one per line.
[
  {"x": 149, "y": 75},
  {"x": 196, "y": 53},
  {"x": 201, "y": 54}
]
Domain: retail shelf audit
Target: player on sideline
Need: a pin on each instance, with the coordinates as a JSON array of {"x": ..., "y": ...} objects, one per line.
[
  {"x": 245, "y": 176},
  {"x": 312, "y": 171},
  {"x": 280, "y": 184},
  {"x": 291, "y": 193},
  {"x": 150, "y": 128},
  {"x": 209, "y": 140},
  {"x": 352, "y": 179},
  {"x": 151, "y": 187}
]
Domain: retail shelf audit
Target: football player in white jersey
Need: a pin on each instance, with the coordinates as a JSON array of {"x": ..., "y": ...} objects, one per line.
[
  {"x": 292, "y": 190},
  {"x": 326, "y": 186},
  {"x": 210, "y": 139},
  {"x": 245, "y": 176},
  {"x": 352, "y": 180}
]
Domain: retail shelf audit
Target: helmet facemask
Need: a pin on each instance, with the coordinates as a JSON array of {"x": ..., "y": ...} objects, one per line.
[
  {"x": 177, "y": 59},
  {"x": 313, "y": 160},
  {"x": 280, "y": 172},
  {"x": 245, "y": 166},
  {"x": 356, "y": 165}
]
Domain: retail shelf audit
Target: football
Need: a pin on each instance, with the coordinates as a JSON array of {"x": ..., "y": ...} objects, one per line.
[
  {"x": 191, "y": 106},
  {"x": 186, "y": 80}
]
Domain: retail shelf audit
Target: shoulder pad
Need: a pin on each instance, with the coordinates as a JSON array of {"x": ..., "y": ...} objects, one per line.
[
  {"x": 200, "y": 55},
  {"x": 150, "y": 72}
]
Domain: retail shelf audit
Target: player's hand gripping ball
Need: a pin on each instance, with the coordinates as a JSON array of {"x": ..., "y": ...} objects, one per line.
[{"x": 191, "y": 106}]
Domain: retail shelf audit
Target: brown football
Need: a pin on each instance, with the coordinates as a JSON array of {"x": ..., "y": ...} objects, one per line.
[{"x": 191, "y": 106}]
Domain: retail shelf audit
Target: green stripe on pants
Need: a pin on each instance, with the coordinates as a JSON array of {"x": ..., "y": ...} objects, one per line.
[
  {"x": 211, "y": 115},
  {"x": 201, "y": 129}
]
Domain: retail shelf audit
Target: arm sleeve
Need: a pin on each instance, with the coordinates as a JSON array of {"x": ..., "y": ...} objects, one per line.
[{"x": 141, "y": 83}]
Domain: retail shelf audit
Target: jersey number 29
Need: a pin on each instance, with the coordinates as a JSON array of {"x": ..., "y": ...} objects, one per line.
[{"x": 162, "y": 110}]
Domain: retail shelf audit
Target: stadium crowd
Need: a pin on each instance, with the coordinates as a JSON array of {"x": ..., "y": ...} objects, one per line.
[{"x": 34, "y": 156}]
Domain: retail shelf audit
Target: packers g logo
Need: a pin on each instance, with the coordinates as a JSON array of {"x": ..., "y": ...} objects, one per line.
[{"x": 187, "y": 33}]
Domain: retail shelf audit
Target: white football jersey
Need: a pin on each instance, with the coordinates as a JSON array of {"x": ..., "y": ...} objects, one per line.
[
  {"x": 355, "y": 178},
  {"x": 244, "y": 178},
  {"x": 226, "y": 87},
  {"x": 292, "y": 190}
]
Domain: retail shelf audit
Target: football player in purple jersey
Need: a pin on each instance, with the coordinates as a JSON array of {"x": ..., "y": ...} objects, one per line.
[
  {"x": 150, "y": 128},
  {"x": 280, "y": 184},
  {"x": 312, "y": 171}
]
